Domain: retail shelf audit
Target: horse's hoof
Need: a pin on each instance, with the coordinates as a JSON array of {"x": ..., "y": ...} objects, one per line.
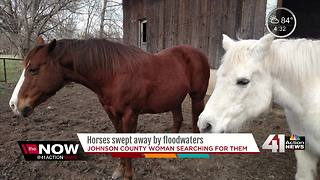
[
  {"x": 116, "y": 176},
  {"x": 118, "y": 173}
]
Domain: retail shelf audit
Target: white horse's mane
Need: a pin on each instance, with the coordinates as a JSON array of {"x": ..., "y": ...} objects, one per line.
[{"x": 292, "y": 61}]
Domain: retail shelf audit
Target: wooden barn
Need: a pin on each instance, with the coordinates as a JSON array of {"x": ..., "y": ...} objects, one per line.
[{"x": 154, "y": 25}]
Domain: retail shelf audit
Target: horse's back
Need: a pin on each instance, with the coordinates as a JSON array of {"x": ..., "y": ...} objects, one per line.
[
  {"x": 178, "y": 71},
  {"x": 187, "y": 55},
  {"x": 196, "y": 63}
]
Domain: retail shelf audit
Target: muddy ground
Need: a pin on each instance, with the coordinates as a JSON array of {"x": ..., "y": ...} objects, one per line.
[{"x": 76, "y": 109}]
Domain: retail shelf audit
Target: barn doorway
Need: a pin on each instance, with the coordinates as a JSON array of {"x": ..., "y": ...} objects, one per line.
[
  {"x": 143, "y": 34},
  {"x": 307, "y": 14}
]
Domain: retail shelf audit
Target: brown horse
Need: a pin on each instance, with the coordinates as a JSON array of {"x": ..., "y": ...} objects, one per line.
[{"x": 127, "y": 81}]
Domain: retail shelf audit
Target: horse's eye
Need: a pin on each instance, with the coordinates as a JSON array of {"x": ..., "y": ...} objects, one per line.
[
  {"x": 243, "y": 81},
  {"x": 33, "y": 71}
]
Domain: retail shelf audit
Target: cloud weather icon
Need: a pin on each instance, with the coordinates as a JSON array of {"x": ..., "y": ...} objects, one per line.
[{"x": 274, "y": 20}]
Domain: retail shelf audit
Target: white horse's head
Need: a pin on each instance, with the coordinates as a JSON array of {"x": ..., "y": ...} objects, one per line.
[{"x": 243, "y": 88}]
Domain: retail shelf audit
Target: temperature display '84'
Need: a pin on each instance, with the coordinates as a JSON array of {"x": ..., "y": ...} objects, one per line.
[{"x": 281, "y": 22}]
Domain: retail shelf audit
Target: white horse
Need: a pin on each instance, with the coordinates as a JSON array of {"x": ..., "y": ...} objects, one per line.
[{"x": 256, "y": 72}]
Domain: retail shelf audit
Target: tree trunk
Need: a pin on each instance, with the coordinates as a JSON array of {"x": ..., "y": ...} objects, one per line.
[{"x": 103, "y": 12}]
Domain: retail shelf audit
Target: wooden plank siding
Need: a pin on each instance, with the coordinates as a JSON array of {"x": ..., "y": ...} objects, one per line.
[{"x": 199, "y": 23}]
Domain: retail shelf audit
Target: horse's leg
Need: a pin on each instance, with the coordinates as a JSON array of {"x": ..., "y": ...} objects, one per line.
[
  {"x": 199, "y": 85},
  {"x": 306, "y": 165},
  {"x": 119, "y": 171},
  {"x": 115, "y": 121},
  {"x": 306, "y": 160},
  {"x": 129, "y": 125},
  {"x": 177, "y": 119},
  {"x": 197, "y": 108}
]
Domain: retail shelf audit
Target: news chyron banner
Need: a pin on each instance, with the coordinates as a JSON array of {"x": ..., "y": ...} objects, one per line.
[{"x": 173, "y": 145}]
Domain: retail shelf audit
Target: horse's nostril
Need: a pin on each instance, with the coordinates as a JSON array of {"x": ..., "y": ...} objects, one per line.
[
  {"x": 27, "y": 111},
  {"x": 207, "y": 128},
  {"x": 221, "y": 131},
  {"x": 12, "y": 106}
]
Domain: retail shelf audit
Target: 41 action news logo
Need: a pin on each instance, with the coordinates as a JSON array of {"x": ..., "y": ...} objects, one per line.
[
  {"x": 280, "y": 142},
  {"x": 51, "y": 150}
]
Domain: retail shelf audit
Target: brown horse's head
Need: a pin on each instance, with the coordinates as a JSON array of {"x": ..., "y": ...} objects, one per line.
[{"x": 41, "y": 78}]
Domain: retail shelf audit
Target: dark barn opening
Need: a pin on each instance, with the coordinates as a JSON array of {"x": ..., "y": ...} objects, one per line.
[
  {"x": 308, "y": 17},
  {"x": 143, "y": 34}
]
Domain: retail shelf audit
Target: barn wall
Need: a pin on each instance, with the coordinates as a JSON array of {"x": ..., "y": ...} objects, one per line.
[{"x": 199, "y": 23}]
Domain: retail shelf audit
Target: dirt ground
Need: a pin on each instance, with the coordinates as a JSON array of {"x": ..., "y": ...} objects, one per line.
[{"x": 76, "y": 109}]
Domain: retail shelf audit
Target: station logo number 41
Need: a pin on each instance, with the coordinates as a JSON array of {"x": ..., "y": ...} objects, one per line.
[{"x": 280, "y": 142}]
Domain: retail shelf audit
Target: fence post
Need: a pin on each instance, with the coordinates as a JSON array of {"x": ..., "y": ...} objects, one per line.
[{"x": 5, "y": 70}]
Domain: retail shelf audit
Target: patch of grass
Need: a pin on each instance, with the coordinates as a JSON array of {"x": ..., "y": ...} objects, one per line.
[
  {"x": 14, "y": 69},
  {"x": 2, "y": 89}
]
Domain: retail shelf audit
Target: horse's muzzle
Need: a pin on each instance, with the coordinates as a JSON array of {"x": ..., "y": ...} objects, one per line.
[{"x": 26, "y": 111}]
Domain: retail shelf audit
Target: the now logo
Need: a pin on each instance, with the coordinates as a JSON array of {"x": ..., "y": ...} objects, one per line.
[
  {"x": 58, "y": 148},
  {"x": 51, "y": 150},
  {"x": 275, "y": 142}
]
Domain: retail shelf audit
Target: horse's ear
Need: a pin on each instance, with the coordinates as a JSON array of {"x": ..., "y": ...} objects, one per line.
[
  {"x": 264, "y": 43},
  {"x": 52, "y": 45},
  {"x": 227, "y": 42},
  {"x": 39, "y": 41}
]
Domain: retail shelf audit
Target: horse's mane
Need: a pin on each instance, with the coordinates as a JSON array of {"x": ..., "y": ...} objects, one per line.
[
  {"x": 294, "y": 61},
  {"x": 99, "y": 54}
]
